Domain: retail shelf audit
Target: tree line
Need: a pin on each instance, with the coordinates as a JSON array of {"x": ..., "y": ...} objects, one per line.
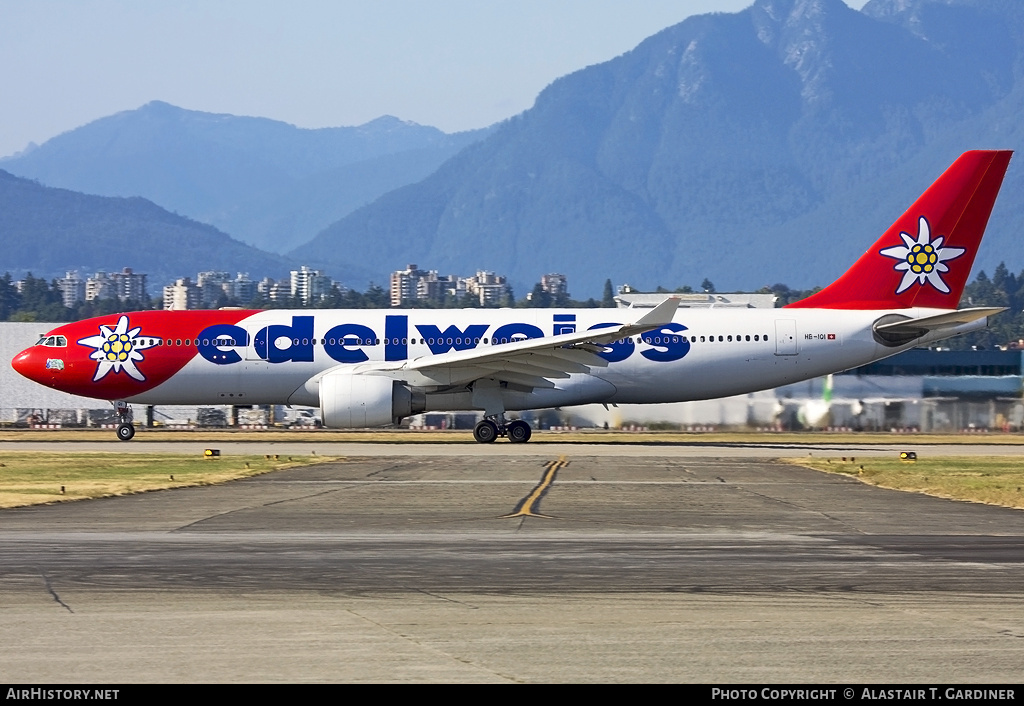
[{"x": 39, "y": 299}]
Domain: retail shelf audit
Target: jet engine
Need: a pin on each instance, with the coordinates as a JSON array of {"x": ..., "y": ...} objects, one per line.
[{"x": 349, "y": 400}]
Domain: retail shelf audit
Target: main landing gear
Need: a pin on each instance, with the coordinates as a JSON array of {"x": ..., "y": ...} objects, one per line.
[
  {"x": 490, "y": 428},
  {"x": 125, "y": 429}
]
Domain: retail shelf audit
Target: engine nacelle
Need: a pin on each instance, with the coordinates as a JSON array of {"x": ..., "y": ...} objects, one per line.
[{"x": 350, "y": 400}]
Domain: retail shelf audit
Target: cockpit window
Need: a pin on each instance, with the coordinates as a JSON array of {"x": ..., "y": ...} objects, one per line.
[{"x": 53, "y": 341}]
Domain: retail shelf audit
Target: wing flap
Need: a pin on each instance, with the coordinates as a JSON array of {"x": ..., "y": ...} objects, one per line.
[
  {"x": 517, "y": 378},
  {"x": 531, "y": 363},
  {"x": 590, "y": 341},
  {"x": 524, "y": 367},
  {"x": 576, "y": 354}
]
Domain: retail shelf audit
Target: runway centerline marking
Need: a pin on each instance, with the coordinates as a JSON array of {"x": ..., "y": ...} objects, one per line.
[{"x": 529, "y": 505}]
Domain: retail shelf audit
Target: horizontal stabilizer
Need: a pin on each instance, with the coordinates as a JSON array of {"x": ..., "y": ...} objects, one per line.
[{"x": 927, "y": 324}]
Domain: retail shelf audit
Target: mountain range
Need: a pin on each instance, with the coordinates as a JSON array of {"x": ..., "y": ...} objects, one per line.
[
  {"x": 48, "y": 231},
  {"x": 267, "y": 183},
  {"x": 769, "y": 145}
]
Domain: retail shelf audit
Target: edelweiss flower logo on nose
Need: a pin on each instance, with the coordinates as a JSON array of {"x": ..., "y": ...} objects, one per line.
[
  {"x": 118, "y": 348},
  {"x": 922, "y": 259}
]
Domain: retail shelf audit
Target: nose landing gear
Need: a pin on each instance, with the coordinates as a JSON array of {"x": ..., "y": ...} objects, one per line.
[{"x": 125, "y": 429}]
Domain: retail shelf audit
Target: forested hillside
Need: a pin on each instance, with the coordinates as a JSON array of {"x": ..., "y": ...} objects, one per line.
[
  {"x": 773, "y": 144},
  {"x": 266, "y": 183},
  {"x": 49, "y": 231}
]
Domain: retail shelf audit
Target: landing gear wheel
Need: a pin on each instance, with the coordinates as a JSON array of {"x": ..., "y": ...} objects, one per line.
[
  {"x": 485, "y": 432},
  {"x": 519, "y": 432},
  {"x": 125, "y": 432}
]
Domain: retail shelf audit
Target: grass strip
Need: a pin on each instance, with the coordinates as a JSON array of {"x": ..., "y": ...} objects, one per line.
[
  {"x": 994, "y": 480},
  {"x": 35, "y": 477}
]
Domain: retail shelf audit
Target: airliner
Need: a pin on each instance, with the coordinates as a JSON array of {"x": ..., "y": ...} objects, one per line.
[{"x": 366, "y": 368}]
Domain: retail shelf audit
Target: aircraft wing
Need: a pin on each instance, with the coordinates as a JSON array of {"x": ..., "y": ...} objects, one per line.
[
  {"x": 532, "y": 362},
  {"x": 927, "y": 324}
]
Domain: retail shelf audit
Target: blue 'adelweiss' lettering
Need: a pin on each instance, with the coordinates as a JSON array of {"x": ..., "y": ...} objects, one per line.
[
  {"x": 345, "y": 343},
  {"x": 616, "y": 350},
  {"x": 396, "y": 331},
  {"x": 216, "y": 342},
  {"x": 300, "y": 341},
  {"x": 516, "y": 332},
  {"x": 671, "y": 347},
  {"x": 452, "y": 338}
]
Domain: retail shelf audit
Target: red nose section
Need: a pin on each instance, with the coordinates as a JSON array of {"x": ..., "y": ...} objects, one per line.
[{"x": 32, "y": 363}]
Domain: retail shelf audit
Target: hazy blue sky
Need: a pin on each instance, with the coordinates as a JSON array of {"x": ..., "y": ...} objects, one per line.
[{"x": 455, "y": 64}]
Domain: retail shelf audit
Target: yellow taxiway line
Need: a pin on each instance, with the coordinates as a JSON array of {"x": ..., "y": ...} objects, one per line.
[{"x": 529, "y": 505}]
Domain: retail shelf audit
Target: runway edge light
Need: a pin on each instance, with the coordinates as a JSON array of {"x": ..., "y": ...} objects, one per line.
[{"x": 908, "y": 456}]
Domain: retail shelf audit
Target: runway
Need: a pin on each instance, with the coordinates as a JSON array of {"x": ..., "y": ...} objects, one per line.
[
  {"x": 626, "y": 566},
  {"x": 544, "y": 445}
]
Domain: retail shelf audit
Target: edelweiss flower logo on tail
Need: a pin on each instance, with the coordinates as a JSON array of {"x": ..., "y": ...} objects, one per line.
[
  {"x": 118, "y": 348},
  {"x": 922, "y": 259}
]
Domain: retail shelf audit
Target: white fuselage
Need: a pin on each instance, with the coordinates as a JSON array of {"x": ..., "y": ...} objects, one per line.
[{"x": 703, "y": 354}]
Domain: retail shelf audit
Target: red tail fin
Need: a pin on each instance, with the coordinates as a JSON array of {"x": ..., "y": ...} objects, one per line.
[{"x": 925, "y": 256}]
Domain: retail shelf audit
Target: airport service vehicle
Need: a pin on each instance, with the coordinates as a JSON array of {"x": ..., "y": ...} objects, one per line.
[{"x": 367, "y": 368}]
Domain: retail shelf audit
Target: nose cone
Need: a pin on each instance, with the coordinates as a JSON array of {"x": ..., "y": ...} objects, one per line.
[
  {"x": 23, "y": 362},
  {"x": 34, "y": 364}
]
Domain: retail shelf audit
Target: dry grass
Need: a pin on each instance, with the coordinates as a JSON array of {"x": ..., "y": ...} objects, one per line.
[
  {"x": 995, "y": 480},
  {"x": 34, "y": 477}
]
